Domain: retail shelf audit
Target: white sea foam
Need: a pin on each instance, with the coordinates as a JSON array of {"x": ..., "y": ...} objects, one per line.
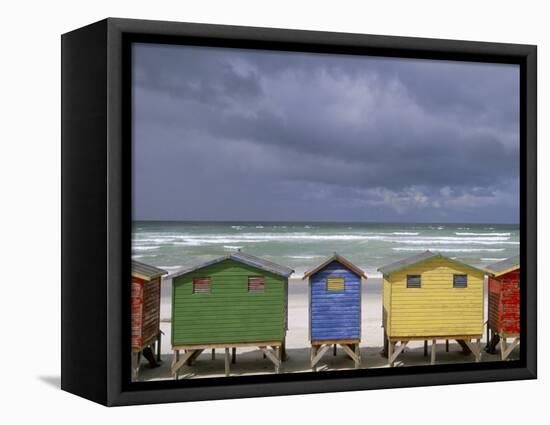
[
  {"x": 450, "y": 249},
  {"x": 232, "y": 247},
  {"x": 492, "y": 259},
  {"x": 451, "y": 241},
  {"x": 305, "y": 257},
  {"x": 405, "y": 233},
  {"x": 481, "y": 234},
  {"x": 145, "y": 248}
]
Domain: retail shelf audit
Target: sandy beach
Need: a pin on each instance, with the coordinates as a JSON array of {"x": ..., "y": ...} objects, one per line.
[{"x": 250, "y": 361}]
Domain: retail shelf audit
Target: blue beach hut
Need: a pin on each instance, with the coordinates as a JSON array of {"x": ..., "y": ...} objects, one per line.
[{"x": 335, "y": 308}]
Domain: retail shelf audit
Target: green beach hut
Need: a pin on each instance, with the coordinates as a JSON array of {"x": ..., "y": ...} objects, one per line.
[{"x": 237, "y": 300}]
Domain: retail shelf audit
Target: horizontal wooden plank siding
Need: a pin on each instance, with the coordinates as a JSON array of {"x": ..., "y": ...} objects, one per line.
[
  {"x": 145, "y": 311},
  {"x": 151, "y": 310},
  {"x": 229, "y": 313},
  {"x": 436, "y": 308},
  {"x": 335, "y": 314},
  {"x": 504, "y": 305},
  {"x": 136, "y": 293}
]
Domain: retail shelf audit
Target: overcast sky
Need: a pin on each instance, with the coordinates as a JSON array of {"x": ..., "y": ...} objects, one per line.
[{"x": 232, "y": 134}]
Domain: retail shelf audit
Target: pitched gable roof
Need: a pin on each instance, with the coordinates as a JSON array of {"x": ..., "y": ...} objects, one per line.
[
  {"x": 146, "y": 271},
  {"x": 420, "y": 258},
  {"x": 350, "y": 266},
  {"x": 243, "y": 258},
  {"x": 502, "y": 267}
]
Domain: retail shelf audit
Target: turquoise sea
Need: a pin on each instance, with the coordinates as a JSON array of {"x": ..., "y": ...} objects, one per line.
[{"x": 173, "y": 245}]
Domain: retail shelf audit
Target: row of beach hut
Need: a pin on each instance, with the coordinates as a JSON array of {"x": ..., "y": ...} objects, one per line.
[{"x": 240, "y": 300}]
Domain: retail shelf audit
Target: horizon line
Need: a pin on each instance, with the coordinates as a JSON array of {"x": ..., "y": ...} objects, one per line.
[{"x": 319, "y": 221}]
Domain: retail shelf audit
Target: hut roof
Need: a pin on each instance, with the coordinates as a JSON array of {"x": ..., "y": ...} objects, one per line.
[
  {"x": 341, "y": 260},
  {"x": 420, "y": 258},
  {"x": 146, "y": 271},
  {"x": 502, "y": 267},
  {"x": 243, "y": 258}
]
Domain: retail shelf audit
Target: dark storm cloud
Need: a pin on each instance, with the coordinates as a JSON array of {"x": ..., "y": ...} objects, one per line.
[{"x": 236, "y": 134}]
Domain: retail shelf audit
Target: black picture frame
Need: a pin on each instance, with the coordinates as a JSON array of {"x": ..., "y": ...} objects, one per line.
[{"x": 96, "y": 213}]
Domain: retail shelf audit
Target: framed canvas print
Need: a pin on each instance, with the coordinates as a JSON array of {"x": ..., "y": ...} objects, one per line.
[{"x": 252, "y": 212}]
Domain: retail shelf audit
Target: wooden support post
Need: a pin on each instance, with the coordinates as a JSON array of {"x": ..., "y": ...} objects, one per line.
[
  {"x": 175, "y": 360},
  {"x": 474, "y": 349},
  {"x": 179, "y": 362},
  {"x": 425, "y": 348},
  {"x": 502, "y": 346},
  {"x": 227, "y": 370},
  {"x": 159, "y": 339},
  {"x": 395, "y": 351},
  {"x": 135, "y": 366},
  {"x": 358, "y": 355},
  {"x": 391, "y": 345},
  {"x": 213, "y": 354},
  {"x": 504, "y": 353},
  {"x": 447, "y": 345},
  {"x": 385, "y": 349},
  {"x": 319, "y": 353},
  {"x": 352, "y": 351},
  {"x": 434, "y": 346},
  {"x": 233, "y": 355},
  {"x": 283, "y": 351},
  {"x": 334, "y": 350},
  {"x": 275, "y": 358},
  {"x": 312, "y": 353}
]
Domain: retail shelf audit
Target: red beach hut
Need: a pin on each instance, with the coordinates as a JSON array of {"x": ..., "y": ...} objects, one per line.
[
  {"x": 145, "y": 304},
  {"x": 504, "y": 308}
]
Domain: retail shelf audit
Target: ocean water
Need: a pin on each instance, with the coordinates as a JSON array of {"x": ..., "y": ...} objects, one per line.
[{"x": 175, "y": 245}]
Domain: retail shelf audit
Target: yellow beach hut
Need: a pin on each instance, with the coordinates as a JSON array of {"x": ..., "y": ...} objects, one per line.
[{"x": 431, "y": 297}]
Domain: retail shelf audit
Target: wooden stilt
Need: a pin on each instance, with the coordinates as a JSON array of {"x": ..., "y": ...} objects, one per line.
[
  {"x": 503, "y": 345},
  {"x": 385, "y": 349},
  {"x": 334, "y": 350},
  {"x": 319, "y": 353},
  {"x": 233, "y": 355},
  {"x": 179, "y": 362},
  {"x": 213, "y": 354},
  {"x": 474, "y": 349},
  {"x": 175, "y": 360},
  {"x": 283, "y": 351},
  {"x": 434, "y": 346},
  {"x": 352, "y": 351},
  {"x": 135, "y": 366},
  {"x": 504, "y": 353},
  {"x": 391, "y": 345},
  {"x": 395, "y": 351},
  {"x": 159, "y": 339},
  {"x": 227, "y": 370},
  {"x": 358, "y": 355},
  {"x": 425, "y": 348},
  {"x": 275, "y": 358},
  {"x": 447, "y": 345}
]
